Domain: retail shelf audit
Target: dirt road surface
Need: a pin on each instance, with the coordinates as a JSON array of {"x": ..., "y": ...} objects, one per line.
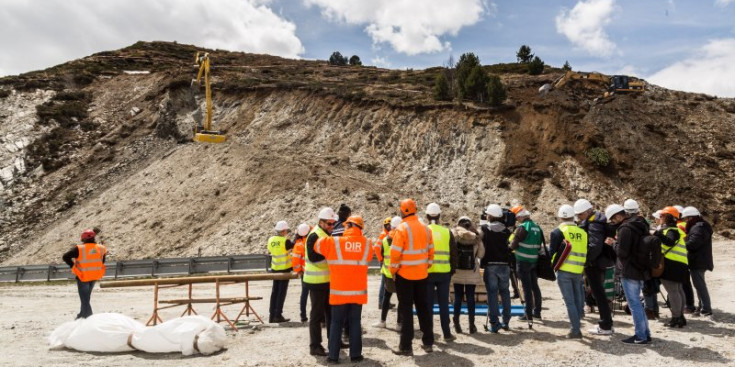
[{"x": 31, "y": 312}]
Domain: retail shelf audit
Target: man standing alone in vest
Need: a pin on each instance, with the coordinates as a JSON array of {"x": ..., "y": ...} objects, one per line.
[
  {"x": 527, "y": 241},
  {"x": 347, "y": 257},
  {"x": 316, "y": 278},
  {"x": 441, "y": 270},
  {"x": 279, "y": 248},
  {"x": 87, "y": 262},
  {"x": 411, "y": 255},
  {"x": 568, "y": 250}
]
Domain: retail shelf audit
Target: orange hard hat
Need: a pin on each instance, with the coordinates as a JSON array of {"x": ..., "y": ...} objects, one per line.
[
  {"x": 408, "y": 207},
  {"x": 671, "y": 210},
  {"x": 516, "y": 209},
  {"x": 356, "y": 220},
  {"x": 386, "y": 221}
]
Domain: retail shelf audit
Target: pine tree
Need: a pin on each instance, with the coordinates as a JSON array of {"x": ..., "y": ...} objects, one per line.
[
  {"x": 355, "y": 60},
  {"x": 496, "y": 92},
  {"x": 524, "y": 54},
  {"x": 337, "y": 59},
  {"x": 536, "y": 66},
  {"x": 566, "y": 66},
  {"x": 466, "y": 63},
  {"x": 441, "y": 87}
]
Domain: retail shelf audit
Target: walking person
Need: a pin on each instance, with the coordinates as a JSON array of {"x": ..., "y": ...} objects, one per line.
[
  {"x": 87, "y": 262},
  {"x": 279, "y": 248},
  {"x": 568, "y": 250},
  {"x": 347, "y": 257},
  {"x": 594, "y": 224},
  {"x": 676, "y": 265},
  {"x": 467, "y": 274},
  {"x": 699, "y": 253},
  {"x": 527, "y": 241},
  {"x": 387, "y": 282},
  {"x": 440, "y": 271},
  {"x": 411, "y": 255},
  {"x": 627, "y": 246},
  {"x": 496, "y": 262},
  {"x": 298, "y": 263}
]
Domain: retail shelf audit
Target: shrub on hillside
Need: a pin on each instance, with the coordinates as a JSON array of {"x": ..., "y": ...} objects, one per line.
[
  {"x": 496, "y": 92},
  {"x": 598, "y": 156},
  {"x": 441, "y": 87},
  {"x": 536, "y": 66}
]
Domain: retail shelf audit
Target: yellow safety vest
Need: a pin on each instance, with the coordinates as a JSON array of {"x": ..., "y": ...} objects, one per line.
[
  {"x": 574, "y": 263},
  {"x": 280, "y": 257},
  {"x": 385, "y": 269},
  {"x": 679, "y": 252},
  {"x": 315, "y": 272},
  {"x": 441, "y": 249}
]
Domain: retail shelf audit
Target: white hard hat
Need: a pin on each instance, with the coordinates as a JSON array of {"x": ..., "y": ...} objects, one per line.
[
  {"x": 281, "y": 225},
  {"x": 395, "y": 222},
  {"x": 679, "y": 208},
  {"x": 657, "y": 214},
  {"x": 581, "y": 206},
  {"x": 494, "y": 210},
  {"x": 690, "y": 211},
  {"x": 433, "y": 209},
  {"x": 631, "y": 206},
  {"x": 463, "y": 218},
  {"x": 613, "y": 209},
  {"x": 565, "y": 211},
  {"x": 302, "y": 229},
  {"x": 523, "y": 213},
  {"x": 327, "y": 214}
]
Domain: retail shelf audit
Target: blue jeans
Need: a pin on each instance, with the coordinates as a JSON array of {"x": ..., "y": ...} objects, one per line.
[
  {"x": 351, "y": 313},
  {"x": 632, "y": 289},
  {"x": 497, "y": 279},
  {"x": 531, "y": 292},
  {"x": 440, "y": 282},
  {"x": 650, "y": 294},
  {"x": 460, "y": 291},
  {"x": 572, "y": 291},
  {"x": 85, "y": 293},
  {"x": 303, "y": 299}
]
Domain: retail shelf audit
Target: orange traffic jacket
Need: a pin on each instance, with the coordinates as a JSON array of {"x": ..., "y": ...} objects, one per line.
[
  {"x": 297, "y": 255},
  {"x": 347, "y": 257},
  {"x": 412, "y": 251},
  {"x": 89, "y": 266},
  {"x": 378, "y": 245}
]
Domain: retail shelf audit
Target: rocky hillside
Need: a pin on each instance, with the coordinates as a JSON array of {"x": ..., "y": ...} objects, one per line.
[{"x": 105, "y": 141}]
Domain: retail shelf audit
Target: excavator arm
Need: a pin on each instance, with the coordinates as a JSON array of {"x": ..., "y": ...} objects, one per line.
[{"x": 206, "y": 134}]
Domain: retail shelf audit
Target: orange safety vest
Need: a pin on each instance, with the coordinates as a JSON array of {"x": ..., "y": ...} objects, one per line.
[
  {"x": 88, "y": 266},
  {"x": 378, "y": 246},
  {"x": 297, "y": 255},
  {"x": 347, "y": 257},
  {"x": 412, "y": 250}
]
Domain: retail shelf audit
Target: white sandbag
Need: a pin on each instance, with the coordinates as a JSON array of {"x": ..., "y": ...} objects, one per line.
[
  {"x": 109, "y": 332},
  {"x": 188, "y": 335}
]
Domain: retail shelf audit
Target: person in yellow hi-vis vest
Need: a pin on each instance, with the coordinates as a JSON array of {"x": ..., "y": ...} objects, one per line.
[
  {"x": 676, "y": 264},
  {"x": 568, "y": 249},
  {"x": 441, "y": 270},
  {"x": 279, "y": 248}
]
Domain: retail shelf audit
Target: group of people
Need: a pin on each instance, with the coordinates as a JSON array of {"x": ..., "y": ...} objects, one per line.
[{"x": 420, "y": 261}]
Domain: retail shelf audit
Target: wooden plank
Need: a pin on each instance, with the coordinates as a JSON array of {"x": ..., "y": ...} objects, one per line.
[
  {"x": 210, "y": 300},
  {"x": 201, "y": 279}
]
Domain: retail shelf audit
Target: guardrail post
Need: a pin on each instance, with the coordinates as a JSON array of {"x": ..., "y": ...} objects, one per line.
[
  {"x": 229, "y": 264},
  {"x": 154, "y": 265},
  {"x": 17, "y": 274},
  {"x": 191, "y": 265},
  {"x": 48, "y": 274},
  {"x": 118, "y": 266}
]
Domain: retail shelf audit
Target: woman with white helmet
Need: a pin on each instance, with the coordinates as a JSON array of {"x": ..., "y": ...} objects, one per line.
[
  {"x": 496, "y": 262},
  {"x": 699, "y": 250},
  {"x": 467, "y": 273}
]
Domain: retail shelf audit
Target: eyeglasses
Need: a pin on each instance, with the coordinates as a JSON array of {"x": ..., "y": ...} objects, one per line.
[{"x": 330, "y": 223}]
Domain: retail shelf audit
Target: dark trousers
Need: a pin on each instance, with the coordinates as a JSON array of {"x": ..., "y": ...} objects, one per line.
[
  {"x": 705, "y": 305},
  {"x": 303, "y": 299},
  {"x": 320, "y": 312},
  {"x": 278, "y": 298},
  {"x": 531, "y": 292},
  {"x": 381, "y": 292},
  {"x": 351, "y": 314},
  {"x": 85, "y": 293},
  {"x": 438, "y": 293},
  {"x": 596, "y": 282},
  {"x": 688, "y": 294},
  {"x": 460, "y": 291},
  {"x": 413, "y": 293}
]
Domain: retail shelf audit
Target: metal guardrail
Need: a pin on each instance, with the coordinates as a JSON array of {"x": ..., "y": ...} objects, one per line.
[{"x": 144, "y": 268}]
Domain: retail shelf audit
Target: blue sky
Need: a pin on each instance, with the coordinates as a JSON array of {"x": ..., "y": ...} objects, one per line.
[{"x": 683, "y": 45}]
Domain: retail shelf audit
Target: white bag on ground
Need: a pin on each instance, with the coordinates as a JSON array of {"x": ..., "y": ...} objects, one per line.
[{"x": 110, "y": 332}]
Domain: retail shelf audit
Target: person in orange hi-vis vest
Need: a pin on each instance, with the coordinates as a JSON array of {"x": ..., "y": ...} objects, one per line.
[
  {"x": 378, "y": 249},
  {"x": 411, "y": 255},
  {"x": 87, "y": 262},
  {"x": 297, "y": 258},
  {"x": 347, "y": 257}
]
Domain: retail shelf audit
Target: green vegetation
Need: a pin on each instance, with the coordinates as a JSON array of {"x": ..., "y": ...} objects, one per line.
[
  {"x": 496, "y": 91},
  {"x": 467, "y": 62},
  {"x": 524, "y": 54},
  {"x": 355, "y": 60},
  {"x": 566, "y": 66},
  {"x": 598, "y": 156},
  {"x": 337, "y": 59},
  {"x": 441, "y": 88},
  {"x": 536, "y": 66}
]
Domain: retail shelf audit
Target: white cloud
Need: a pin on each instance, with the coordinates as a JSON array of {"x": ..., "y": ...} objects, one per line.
[
  {"x": 724, "y": 3},
  {"x": 710, "y": 70},
  {"x": 380, "y": 62},
  {"x": 45, "y": 33},
  {"x": 584, "y": 26},
  {"x": 628, "y": 70},
  {"x": 409, "y": 26}
]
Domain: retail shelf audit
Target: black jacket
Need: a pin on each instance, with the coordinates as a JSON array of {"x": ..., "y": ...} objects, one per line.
[
  {"x": 495, "y": 240},
  {"x": 599, "y": 255},
  {"x": 628, "y": 240},
  {"x": 699, "y": 246}
]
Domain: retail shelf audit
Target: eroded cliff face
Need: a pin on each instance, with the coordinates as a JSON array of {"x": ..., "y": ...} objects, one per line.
[{"x": 130, "y": 168}]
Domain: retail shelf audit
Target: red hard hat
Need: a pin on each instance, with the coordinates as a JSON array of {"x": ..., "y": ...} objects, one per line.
[
  {"x": 408, "y": 207},
  {"x": 88, "y": 234}
]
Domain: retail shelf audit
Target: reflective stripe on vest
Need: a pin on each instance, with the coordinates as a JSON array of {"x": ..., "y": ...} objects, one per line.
[
  {"x": 315, "y": 273},
  {"x": 410, "y": 250},
  {"x": 349, "y": 283},
  {"x": 528, "y": 249},
  {"x": 679, "y": 252},
  {"x": 386, "y": 259},
  {"x": 280, "y": 257},
  {"x": 441, "y": 249},
  {"x": 297, "y": 255},
  {"x": 577, "y": 237},
  {"x": 88, "y": 266}
]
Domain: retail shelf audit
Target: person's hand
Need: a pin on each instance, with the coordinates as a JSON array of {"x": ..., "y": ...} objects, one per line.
[{"x": 609, "y": 241}]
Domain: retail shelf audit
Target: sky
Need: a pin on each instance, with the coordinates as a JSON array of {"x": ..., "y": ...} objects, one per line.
[{"x": 682, "y": 45}]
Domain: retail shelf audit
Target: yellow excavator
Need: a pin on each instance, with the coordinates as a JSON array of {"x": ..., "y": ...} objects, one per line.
[
  {"x": 613, "y": 84},
  {"x": 203, "y": 133}
]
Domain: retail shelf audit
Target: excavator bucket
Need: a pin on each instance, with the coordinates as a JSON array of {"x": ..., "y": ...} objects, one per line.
[{"x": 209, "y": 137}]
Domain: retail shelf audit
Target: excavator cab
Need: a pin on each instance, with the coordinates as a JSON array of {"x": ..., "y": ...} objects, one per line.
[{"x": 203, "y": 133}]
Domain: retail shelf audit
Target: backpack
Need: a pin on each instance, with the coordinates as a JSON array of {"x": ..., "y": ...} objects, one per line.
[
  {"x": 648, "y": 256},
  {"x": 466, "y": 256},
  {"x": 509, "y": 218}
]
